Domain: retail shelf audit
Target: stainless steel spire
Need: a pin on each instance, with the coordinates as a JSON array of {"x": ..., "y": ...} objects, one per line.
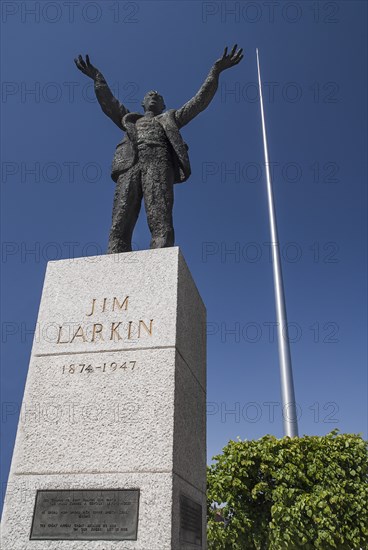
[{"x": 290, "y": 419}]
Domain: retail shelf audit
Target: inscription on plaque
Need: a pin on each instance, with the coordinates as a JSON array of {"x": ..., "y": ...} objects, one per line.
[
  {"x": 190, "y": 521},
  {"x": 105, "y": 514}
]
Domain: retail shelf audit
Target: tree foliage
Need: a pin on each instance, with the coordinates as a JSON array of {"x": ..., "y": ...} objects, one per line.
[{"x": 285, "y": 494}]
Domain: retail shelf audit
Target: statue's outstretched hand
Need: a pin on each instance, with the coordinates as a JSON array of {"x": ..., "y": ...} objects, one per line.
[
  {"x": 229, "y": 60},
  {"x": 86, "y": 66}
]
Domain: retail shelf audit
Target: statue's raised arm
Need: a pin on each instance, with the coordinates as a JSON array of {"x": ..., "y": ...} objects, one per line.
[
  {"x": 208, "y": 89},
  {"x": 109, "y": 104}
]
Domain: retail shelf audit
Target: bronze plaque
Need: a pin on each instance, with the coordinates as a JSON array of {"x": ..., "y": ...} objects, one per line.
[
  {"x": 86, "y": 514},
  {"x": 190, "y": 521}
]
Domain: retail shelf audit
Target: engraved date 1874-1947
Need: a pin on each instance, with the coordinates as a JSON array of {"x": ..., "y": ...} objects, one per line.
[{"x": 89, "y": 368}]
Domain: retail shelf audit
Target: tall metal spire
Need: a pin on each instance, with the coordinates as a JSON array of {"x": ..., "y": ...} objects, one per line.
[{"x": 290, "y": 419}]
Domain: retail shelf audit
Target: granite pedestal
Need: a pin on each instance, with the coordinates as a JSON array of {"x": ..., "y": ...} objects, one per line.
[{"x": 110, "y": 452}]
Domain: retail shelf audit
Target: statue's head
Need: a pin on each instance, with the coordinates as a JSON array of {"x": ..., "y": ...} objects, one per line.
[{"x": 153, "y": 102}]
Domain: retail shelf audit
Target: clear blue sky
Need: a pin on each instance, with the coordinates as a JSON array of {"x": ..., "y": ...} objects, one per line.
[{"x": 313, "y": 58}]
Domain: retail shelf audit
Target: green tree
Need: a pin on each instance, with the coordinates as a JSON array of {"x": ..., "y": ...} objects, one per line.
[{"x": 290, "y": 493}]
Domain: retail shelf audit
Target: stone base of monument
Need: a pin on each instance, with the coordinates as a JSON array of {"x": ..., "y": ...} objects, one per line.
[{"x": 111, "y": 445}]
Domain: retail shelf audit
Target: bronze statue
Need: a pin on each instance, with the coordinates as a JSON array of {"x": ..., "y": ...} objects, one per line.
[{"x": 152, "y": 156}]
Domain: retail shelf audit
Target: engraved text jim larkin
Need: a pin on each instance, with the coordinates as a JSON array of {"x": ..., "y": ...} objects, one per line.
[{"x": 69, "y": 333}]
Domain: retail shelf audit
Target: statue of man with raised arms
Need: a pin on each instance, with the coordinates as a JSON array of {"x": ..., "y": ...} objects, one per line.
[{"x": 152, "y": 155}]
